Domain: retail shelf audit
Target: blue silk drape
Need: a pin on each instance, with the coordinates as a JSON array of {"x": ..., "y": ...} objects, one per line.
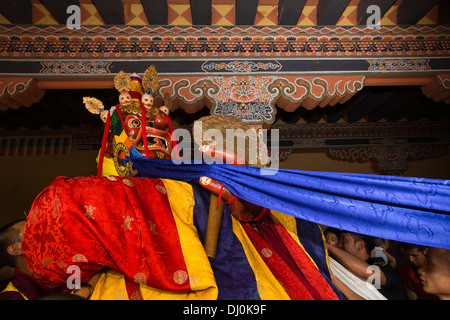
[{"x": 413, "y": 210}]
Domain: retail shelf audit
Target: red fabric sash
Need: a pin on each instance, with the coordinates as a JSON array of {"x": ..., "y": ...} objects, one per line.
[
  {"x": 133, "y": 289},
  {"x": 288, "y": 262},
  {"x": 124, "y": 224}
]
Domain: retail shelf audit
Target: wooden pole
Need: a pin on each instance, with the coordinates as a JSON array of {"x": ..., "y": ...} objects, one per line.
[{"x": 213, "y": 226}]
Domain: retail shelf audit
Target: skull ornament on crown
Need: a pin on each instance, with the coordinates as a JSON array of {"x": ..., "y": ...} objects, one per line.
[{"x": 135, "y": 108}]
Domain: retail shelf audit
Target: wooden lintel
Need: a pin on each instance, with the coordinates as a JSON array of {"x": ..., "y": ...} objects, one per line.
[
  {"x": 75, "y": 83},
  {"x": 108, "y": 83},
  {"x": 399, "y": 80}
]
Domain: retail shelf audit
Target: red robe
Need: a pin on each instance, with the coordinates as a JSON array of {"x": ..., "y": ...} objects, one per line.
[{"x": 124, "y": 224}]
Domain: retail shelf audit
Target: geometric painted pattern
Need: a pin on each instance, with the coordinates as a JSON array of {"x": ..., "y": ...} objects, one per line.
[
  {"x": 266, "y": 13},
  {"x": 348, "y": 17},
  {"x": 222, "y": 14},
  {"x": 308, "y": 16},
  {"x": 179, "y": 12},
  {"x": 135, "y": 15},
  {"x": 217, "y": 41},
  {"x": 390, "y": 17}
]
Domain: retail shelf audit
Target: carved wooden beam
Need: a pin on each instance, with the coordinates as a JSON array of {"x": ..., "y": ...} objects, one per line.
[
  {"x": 17, "y": 92},
  {"x": 411, "y": 11},
  {"x": 156, "y": 11},
  {"x": 329, "y": 11},
  {"x": 111, "y": 11},
  {"x": 17, "y": 11},
  {"x": 201, "y": 12},
  {"x": 246, "y": 11},
  {"x": 362, "y": 15},
  {"x": 438, "y": 89},
  {"x": 289, "y": 11},
  {"x": 444, "y": 9},
  {"x": 58, "y": 9}
]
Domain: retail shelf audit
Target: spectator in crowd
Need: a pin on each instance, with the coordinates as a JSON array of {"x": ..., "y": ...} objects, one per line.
[
  {"x": 354, "y": 254},
  {"x": 21, "y": 284},
  {"x": 332, "y": 236},
  {"x": 435, "y": 273},
  {"x": 409, "y": 274}
]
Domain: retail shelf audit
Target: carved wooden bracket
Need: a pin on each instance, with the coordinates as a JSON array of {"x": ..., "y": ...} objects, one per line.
[
  {"x": 17, "y": 92},
  {"x": 438, "y": 89},
  {"x": 253, "y": 98}
]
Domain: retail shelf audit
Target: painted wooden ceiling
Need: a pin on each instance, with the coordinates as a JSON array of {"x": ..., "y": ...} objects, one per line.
[
  {"x": 61, "y": 109},
  {"x": 225, "y": 12}
]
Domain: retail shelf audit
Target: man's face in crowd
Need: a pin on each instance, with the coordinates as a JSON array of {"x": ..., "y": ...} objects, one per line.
[{"x": 435, "y": 273}]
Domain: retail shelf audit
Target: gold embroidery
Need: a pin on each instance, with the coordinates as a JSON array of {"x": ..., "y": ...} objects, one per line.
[
  {"x": 161, "y": 189},
  {"x": 152, "y": 227},
  {"x": 90, "y": 211},
  {"x": 56, "y": 203},
  {"x": 46, "y": 262},
  {"x": 136, "y": 295},
  {"x": 193, "y": 282},
  {"x": 32, "y": 215},
  {"x": 261, "y": 289},
  {"x": 128, "y": 183},
  {"x": 180, "y": 276},
  {"x": 79, "y": 258},
  {"x": 140, "y": 278},
  {"x": 127, "y": 223},
  {"x": 121, "y": 294},
  {"x": 267, "y": 253}
]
